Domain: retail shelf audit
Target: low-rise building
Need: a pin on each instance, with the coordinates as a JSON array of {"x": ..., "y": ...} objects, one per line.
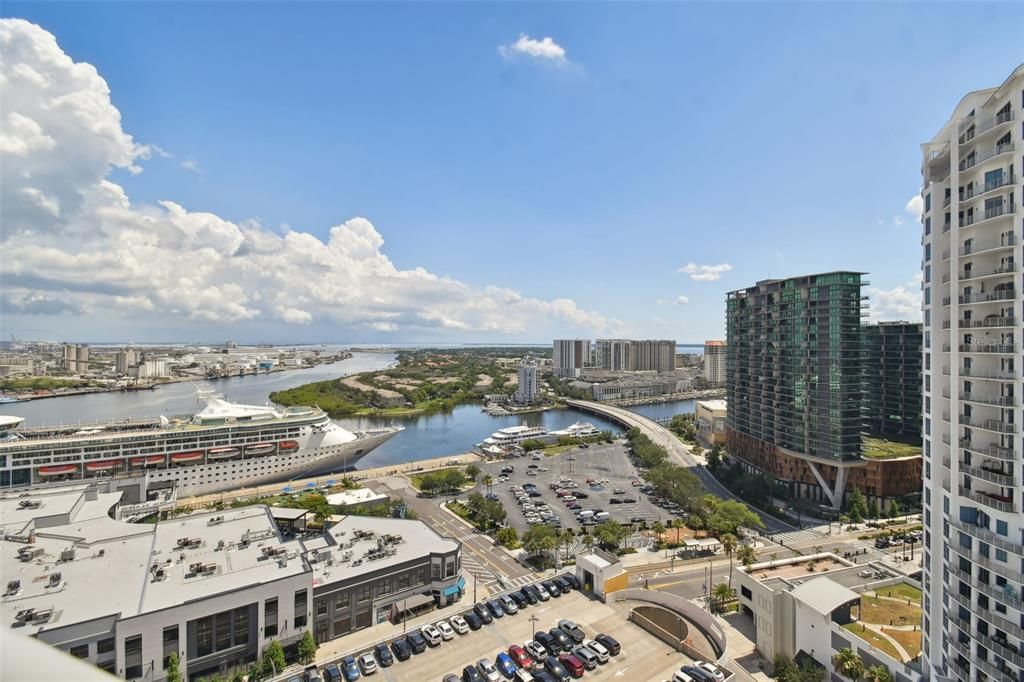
[{"x": 710, "y": 416}]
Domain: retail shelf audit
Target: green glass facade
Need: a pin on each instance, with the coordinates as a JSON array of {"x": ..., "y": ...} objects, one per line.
[
  {"x": 892, "y": 381},
  {"x": 795, "y": 364}
]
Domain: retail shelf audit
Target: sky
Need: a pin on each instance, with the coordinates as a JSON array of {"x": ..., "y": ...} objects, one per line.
[{"x": 477, "y": 172}]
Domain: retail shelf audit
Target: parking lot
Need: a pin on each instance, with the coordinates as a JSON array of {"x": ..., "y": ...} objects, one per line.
[
  {"x": 606, "y": 463},
  {"x": 642, "y": 657}
]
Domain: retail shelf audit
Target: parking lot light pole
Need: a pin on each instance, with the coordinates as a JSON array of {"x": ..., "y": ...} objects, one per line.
[{"x": 533, "y": 624}]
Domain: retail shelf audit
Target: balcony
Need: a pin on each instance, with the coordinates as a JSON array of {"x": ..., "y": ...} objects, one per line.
[
  {"x": 972, "y": 248},
  {"x": 995, "y": 425},
  {"x": 988, "y": 297},
  {"x": 987, "y": 323},
  {"x": 997, "y": 477},
  {"x": 981, "y": 126},
  {"x": 997, "y": 400},
  {"x": 973, "y": 160},
  {"x": 987, "y": 374},
  {"x": 997, "y": 502},
  {"x": 1006, "y": 269},
  {"x": 997, "y": 348},
  {"x": 1000, "y": 541},
  {"x": 976, "y": 217},
  {"x": 993, "y": 451},
  {"x": 1004, "y": 180}
]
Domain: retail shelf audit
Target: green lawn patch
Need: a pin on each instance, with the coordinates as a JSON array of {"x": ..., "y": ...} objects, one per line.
[
  {"x": 901, "y": 590},
  {"x": 889, "y": 612},
  {"x": 879, "y": 448},
  {"x": 873, "y": 638}
]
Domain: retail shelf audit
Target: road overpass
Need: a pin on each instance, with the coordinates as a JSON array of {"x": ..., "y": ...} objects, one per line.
[{"x": 677, "y": 451}]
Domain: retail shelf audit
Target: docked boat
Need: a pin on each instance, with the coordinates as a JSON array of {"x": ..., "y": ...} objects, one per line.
[
  {"x": 577, "y": 430},
  {"x": 513, "y": 435},
  {"x": 221, "y": 447}
]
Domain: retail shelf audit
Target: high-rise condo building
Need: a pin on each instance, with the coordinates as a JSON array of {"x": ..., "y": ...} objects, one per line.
[
  {"x": 570, "y": 356},
  {"x": 647, "y": 355},
  {"x": 973, "y": 525},
  {"x": 794, "y": 382},
  {"x": 528, "y": 388},
  {"x": 612, "y": 354},
  {"x": 892, "y": 381},
  {"x": 714, "y": 362}
]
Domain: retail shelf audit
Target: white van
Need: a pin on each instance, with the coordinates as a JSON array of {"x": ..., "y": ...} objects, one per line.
[{"x": 602, "y": 516}]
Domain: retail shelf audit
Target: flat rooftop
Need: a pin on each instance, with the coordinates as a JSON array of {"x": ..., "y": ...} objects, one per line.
[
  {"x": 715, "y": 405},
  {"x": 788, "y": 574}
]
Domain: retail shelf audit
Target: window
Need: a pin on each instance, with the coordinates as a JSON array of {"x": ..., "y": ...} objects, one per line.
[
  {"x": 1000, "y": 555},
  {"x": 105, "y": 646},
  {"x": 80, "y": 651},
  {"x": 242, "y": 626},
  {"x": 321, "y": 607},
  {"x": 300, "y": 609},
  {"x": 170, "y": 643},
  {"x": 133, "y": 657},
  {"x": 270, "y": 618},
  {"x": 1002, "y": 528},
  {"x": 364, "y": 593},
  {"x": 222, "y": 630}
]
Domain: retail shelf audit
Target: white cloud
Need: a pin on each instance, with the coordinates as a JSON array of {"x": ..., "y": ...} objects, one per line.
[
  {"x": 683, "y": 300},
  {"x": 705, "y": 273},
  {"x": 914, "y": 207},
  {"x": 74, "y": 236},
  {"x": 190, "y": 165},
  {"x": 902, "y": 302},
  {"x": 544, "y": 49}
]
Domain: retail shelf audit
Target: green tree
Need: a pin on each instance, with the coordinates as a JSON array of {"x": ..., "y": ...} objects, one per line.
[
  {"x": 848, "y": 664},
  {"x": 784, "y": 669},
  {"x": 858, "y": 507},
  {"x": 507, "y": 537},
  {"x": 566, "y": 537},
  {"x": 488, "y": 482},
  {"x": 610, "y": 534},
  {"x": 273, "y": 658},
  {"x": 173, "y": 668},
  {"x": 747, "y": 555},
  {"x": 539, "y": 540},
  {"x": 307, "y": 648},
  {"x": 721, "y": 595},
  {"x": 472, "y": 471},
  {"x": 894, "y": 509},
  {"x": 239, "y": 676},
  {"x": 727, "y": 516},
  {"x": 809, "y": 672},
  {"x": 715, "y": 457},
  {"x": 873, "y": 512},
  {"x": 729, "y": 543},
  {"x": 877, "y": 673}
]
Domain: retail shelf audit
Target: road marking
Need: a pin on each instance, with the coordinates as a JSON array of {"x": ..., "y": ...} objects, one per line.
[{"x": 621, "y": 671}]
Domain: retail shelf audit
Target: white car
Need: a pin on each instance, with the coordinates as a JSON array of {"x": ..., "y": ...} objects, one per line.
[
  {"x": 680, "y": 676},
  {"x": 431, "y": 634},
  {"x": 537, "y": 650},
  {"x": 459, "y": 624},
  {"x": 523, "y": 675},
  {"x": 542, "y": 591},
  {"x": 488, "y": 670},
  {"x": 598, "y": 649},
  {"x": 712, "y": 670},
  {"x": 446, "y": 630}
]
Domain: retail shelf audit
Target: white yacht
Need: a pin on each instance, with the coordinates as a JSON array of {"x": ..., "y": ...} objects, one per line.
[
  {"x": 577, "y": 430},
  {"x": 513, "y": 435},
  {"x": 222, "y": 447}
]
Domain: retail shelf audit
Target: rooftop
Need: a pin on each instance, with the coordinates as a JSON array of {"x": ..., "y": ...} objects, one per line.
[
  {"x": 823, "y": 594},
  {"x": 715, "y": 405},
  {"x": 788, "y": 574}
]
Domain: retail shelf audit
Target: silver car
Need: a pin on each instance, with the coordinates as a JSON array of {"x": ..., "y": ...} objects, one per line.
[{"x": 488, "y": 670}]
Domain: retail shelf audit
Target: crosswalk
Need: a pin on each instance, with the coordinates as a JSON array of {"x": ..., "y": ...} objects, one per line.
[
  {"x": 793, "y": 536},
  {"x": 486, "y": 577}
]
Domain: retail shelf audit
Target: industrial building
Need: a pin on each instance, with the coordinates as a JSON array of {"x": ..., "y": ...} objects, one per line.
[{"x": 75, "y": 358}]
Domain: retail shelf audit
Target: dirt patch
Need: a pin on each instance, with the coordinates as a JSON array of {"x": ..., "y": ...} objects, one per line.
[{"x": 908, "y": 639}]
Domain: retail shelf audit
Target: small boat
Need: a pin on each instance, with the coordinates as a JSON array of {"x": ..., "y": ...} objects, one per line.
[
  {"x": 183, "y": 457},
  {"x": 260, "y": 448},
  {"x": 223, "y": 453},
  {"x": 288, "y": 445},
  {"x": 104, "y": 465},
  {"x": 146, "y": 461},
  {"x": 7, "y": 400},
  {"x": 61, "y": 470}
]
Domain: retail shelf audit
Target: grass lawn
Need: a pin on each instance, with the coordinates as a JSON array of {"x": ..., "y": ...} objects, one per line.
[
  {"x": 888, "y": 612},
  {"x": 909, "y": 640},
  {"x": 558, "y": 449},
  {"x": 417, "y": 479},
  {"x": 873, "y": 638},
  {"x": 901, "y": 590},
  {"x": 878, "y": 448}
]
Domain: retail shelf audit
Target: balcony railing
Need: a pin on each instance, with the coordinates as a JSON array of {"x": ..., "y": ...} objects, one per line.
[
  {"x": 1006, "y": 240},
  {"x": 988, "y": 500},
  {"x": 977, "y": 190},
  {"x": 991, "y": 538},
  {"x": 986, "y": 323},
  {"x": 988, "y": 348},
  {"x": 986, "y": 374},
  {"x": 988, "y": 296},
  {"x": 997, "y": 425},
  {"x": 1007, "y": 269},
  {"x": 972, "y": 161},
  {"x": 975, "y": 217},
  {"x": 990, "y": 476},
  {"x": 1000, "y": 400},
  {"x": 994, "y": 451},
  {"x": 983, "y": 126}
]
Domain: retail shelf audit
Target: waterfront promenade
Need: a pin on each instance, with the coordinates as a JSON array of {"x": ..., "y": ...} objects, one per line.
[{"x": 678, "y": 451}]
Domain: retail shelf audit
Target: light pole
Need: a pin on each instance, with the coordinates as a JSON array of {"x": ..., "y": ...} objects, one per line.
[{"x": 533, "y": 624}]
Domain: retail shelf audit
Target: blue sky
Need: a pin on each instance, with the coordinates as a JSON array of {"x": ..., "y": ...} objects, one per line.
[{"x": 779, "y": 139}]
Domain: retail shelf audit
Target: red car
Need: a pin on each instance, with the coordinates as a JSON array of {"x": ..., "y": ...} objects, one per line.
[
  {"x": 572, "y": 664},
  {"x": 520, "y": 656}
]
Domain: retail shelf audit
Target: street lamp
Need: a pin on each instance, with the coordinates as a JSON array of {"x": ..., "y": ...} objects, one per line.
[{"x": 533, "y": 624}]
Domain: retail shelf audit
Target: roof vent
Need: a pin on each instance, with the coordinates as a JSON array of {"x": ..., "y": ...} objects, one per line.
[
  {"x": 13, "y": 587},
  {"x": 68, "y": 554},
  {"x": 54, "y": 580}
]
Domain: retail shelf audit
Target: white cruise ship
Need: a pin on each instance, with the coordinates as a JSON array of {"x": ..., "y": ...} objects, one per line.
[
  {"x": 222, "y": 447},
  {"x": 577, "y": 430},
  {"x": 513, "y": 435}
]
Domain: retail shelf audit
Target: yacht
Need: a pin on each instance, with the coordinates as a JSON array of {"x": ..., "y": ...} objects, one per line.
[
  {"x": 513, "y": 435},
  {"x": 577, "y": 430}
]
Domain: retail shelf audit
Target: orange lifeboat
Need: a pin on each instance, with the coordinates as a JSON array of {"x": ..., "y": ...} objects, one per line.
[
  {"x": 288, "y": 445},
  {"x": 61, "y": 470},
  {"x": 146, "y": 461},
  {"x": 105, "y": 465},
  {"x": 186, "y": 457}
]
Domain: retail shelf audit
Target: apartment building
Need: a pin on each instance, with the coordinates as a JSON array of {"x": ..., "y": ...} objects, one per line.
[
  {"x": 570, "y": 356},
  {"x": 528, "y": 388},
  {"x": 892, "y": 381},
  {"x": 627, "y": 355},
  {"x": 714, "y": 362},
  {"x": 973, "y": 525}
]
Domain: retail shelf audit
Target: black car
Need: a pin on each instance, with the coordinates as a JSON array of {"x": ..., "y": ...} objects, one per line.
[
  {"x": 556, "y": 669},
  {"x": 384, "y": 656},
  {"x": 530, "y": 595},
  {"x": 471, "y": 674},
  {"x": 609, "y": 643},
  {"x": 417, "y": 642},
  {"x": 540, "y": 675},
  {"x": 576, "y": 584},
  {"x": 628, "y": 500},
  {"x": 552, "y": 588},
  {"x": 521, "y": 601},
  {"x": 332, "y": 673},
  {"x": 402, "y": 649},
  {"x": 533, "y": 493},
  {"x": 563, "y": 584},
  {"x": 615, "y": 500},
  {"x": 580, "y": 495},
  {"x": 496, "y": 610},
  {"x": 473, "y": 621},
  {"x": 553, "y": 646},
  {"x": 564, "y": 641},
  {"x": 483, "y": 613}
]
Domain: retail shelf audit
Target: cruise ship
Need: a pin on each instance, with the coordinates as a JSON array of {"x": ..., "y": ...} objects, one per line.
[{"x": 222, "y": 447}]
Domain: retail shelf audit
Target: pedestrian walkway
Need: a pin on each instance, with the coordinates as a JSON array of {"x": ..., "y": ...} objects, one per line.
[{"x": 794, "y": 536}]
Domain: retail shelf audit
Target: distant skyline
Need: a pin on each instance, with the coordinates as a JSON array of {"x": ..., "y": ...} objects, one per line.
[{"x": 435, "y": 173}]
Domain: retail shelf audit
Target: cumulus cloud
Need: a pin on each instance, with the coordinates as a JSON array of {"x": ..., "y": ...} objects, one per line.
[
  {"x": 915, "y": 207},
  {"x": 902, "y": 302},
  {"x": 74, "y": 242},
  {"x": 190, "y": 165},
  {"x": 705, "y": 273},
  {"x": 545, "y": 49},
  {"x": 683, "y": 300}
]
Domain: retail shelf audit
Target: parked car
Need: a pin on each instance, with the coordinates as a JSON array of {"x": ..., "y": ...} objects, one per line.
[
  {"x": 598, "y": 649},
  {"x": 711, "y": 669},
  {"x": 520, "y": 656},
  {"x": 580, "y": 495},
  {"x": 350, "y": 669},
  {"x": 483, "y": 613},
  {"x": 332, "y": 673},
  {"x": 524, "y": 675},
  {"x": 609, "y": 643},
  {"x": 563, "y": 584},
  {"x": 471, "y": 674},
  {"x": 458, "y": 624},
  {"x": 564, "y": 641},
  {"x": 556, "y": 669},
  {"x": 576, "y": 584},
  {"x": 402, "y": 649},
  {"x": 451, "y": 677},
  {"x": 552, "y": 646},
  {"x": 487, "y": 670},
  {"x": 312, "y": 674},
  {"x": 587, "y": 657},
  {"x": 536, "y": 650},
  {"x": 505, "y": 665},
  {"x": 432, "y": 635},
  {"x": 416, "y": 641},
  {"x": 552, "y": 588},
  {"x": 367, "y": 664},
  {"x": 542, "y": 675},
  {"x": 697, "y": 674},
  {"x": 572, "y": 629},
  {"x": 473, "y": 621},
  {"x": 680, "y": 676},
  {"x": 572, "y": 664},
  {"x": 445, "y": 629},
  {"x": 521, "y": 601},
  {"x": 384, "y": 657},
  {"x": 542, "y": 591},
  {"x": 508, "y": 604},
  {"x": 495, "y": 607}
]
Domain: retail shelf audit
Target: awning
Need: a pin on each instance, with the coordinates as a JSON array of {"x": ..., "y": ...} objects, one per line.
[
  {"x": 454, "y": 589},
  {"x": 412, "y": 603}
]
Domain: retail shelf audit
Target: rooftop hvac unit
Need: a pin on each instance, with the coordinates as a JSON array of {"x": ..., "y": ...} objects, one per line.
[
  {"x": 215, "y": 521},
  {"x": 68, "y": 554},
  {"x": 29, "y": 553},
  {"x": 54, "y": 580},
  {"x": 220, "y": 545},
  {"x": 29, "y": 504},
  {"x": 13, "y": 587}
]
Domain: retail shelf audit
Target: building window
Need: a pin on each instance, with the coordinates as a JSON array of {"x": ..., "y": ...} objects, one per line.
[
  {"x": 105, "y": 646},
  {"x": 133, "y": 657},
  {"x": 80, "y": 651},
  {"x": 222, "y": 631},
  {"x": 270, "y": 618},
  {"x": 364, "y": 593},
  {"x": 242, "y": 626},
  {"x": 170, "y": 643},
  {"x": 204, "y": 637},
  {"x": 321, "y": 607},
  {"x": 1002, "y": 528},
  {"x": 300, "y": 609}
]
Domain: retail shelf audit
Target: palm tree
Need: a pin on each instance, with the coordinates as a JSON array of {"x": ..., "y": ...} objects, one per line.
[
  {"x": 567, "y": 536},
  {"x": 488, "y": 481},
  {"x": 722, "y": 594},
  {"x": 877, "y": 673},
  {"x": 848, "y": 663},
  {"x": 729, "y": 543},
  {"x": 747, "y": 556}
]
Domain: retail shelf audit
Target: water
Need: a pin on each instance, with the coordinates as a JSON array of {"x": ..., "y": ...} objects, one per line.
[{"x": 424, "y": 436}]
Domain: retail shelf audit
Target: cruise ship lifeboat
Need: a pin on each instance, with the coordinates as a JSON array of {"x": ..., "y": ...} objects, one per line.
[
  {"x": 61, "y": 470},
  {"x": 105, "y": 465},
  {"x": 260, "y": 449},
  {"x": 288, "y": 445},
  {"x": 186, "y": 457},
  {"x": 224, "y": 453},
  {"x": 146, "y": 461}
]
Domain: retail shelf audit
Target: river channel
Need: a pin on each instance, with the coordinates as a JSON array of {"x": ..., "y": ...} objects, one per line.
[{"x": 424, "y": 436}]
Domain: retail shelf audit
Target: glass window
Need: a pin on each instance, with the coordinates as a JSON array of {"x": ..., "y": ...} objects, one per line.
[
  {"x": 133, "y": 657},
  {"x": 1002, "y": 528},
  {"x": 170, "y": 643},
  {"x": 204, "y": 636},
  {"x": 80, "y": 651},
  {"x": 241, "y": 626},
  {"x": 270, "y": 618},
  {"x": 105, "y": 646},
  {"x": 223, "y": 631}
]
